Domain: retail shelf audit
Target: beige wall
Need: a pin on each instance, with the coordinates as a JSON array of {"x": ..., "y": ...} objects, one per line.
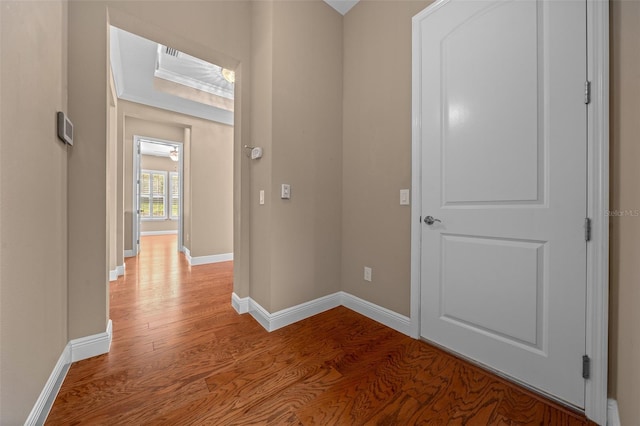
[
  {"x": 297, "y": 119},
  {"x": 33, "y": 201},
  {"x": 624, "y": 369},
  {"x": 87, "y": 170},
  {"x": 376, "y": 230},
  {"x": 261, "y": 126},
  {"x": 208, "y": 154},
  {"x": 306, "y": 152},
  {"x": 165, "y": 164},
  {"x": 112, "y": 181}
]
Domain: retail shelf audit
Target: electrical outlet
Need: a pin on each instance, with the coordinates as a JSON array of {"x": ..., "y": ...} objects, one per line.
[
  {"x": 285, "y": 193},
  {"x": 367, "y": 273}
]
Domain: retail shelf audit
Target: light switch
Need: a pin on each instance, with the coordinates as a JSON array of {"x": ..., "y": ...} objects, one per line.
[
  {"x": 261, "y": 196},
  {"x": 404, "y": 197},
  {"x": 285, "y": 193}
]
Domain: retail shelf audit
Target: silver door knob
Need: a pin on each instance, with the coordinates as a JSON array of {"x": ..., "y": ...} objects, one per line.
[{"x": 430, "y": 220}]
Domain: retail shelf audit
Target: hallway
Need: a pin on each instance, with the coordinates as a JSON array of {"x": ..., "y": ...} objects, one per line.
[{"x": 182, "y": 355}]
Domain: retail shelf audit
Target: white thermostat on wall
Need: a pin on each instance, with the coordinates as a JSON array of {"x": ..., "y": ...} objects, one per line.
[
  {"x": 256, "y": 153},
  {"x": 65, "y": 128}
]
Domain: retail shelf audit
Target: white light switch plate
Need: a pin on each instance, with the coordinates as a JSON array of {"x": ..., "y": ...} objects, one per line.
[
  {"x": 261, "y": 196},
  {"x": 404, "y": 197},
  {"x": 286, "y": 191}
]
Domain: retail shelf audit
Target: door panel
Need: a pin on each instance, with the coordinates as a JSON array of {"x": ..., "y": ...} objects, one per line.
[
  {"x": 495, "y": 270},
  {"x": 473, "y": 107},
  {"x": 503, "y": 136}
]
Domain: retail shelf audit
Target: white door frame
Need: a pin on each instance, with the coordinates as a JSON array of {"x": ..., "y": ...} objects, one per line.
[
  {"x": 597, "y": 199},
  {"x": 135, "y": 226}
]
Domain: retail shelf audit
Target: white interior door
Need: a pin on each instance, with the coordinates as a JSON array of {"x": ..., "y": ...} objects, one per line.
[{"x": 503, "y": 137}]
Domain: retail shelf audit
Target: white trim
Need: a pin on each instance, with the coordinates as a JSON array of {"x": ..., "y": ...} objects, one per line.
[
  {"x": 129, "y": 253},
  {"x": 45, "y": 401},
  {"x": 120, "y": 269},
  {"x": 240, "y": 304},
  {"x": 135, "y": 226},
  {"x": 288, "y": 316},
  {"x": 204, "y": 260},
  {"x": 135, "y": 217},
  {"x": 597, "y": 308},
  {"x": 598, "y": 198},
  {"x": 75, "y": 350},
  {"x": 169, "y": 232},
  {"x": 613, "y": 415},
  {"x": 260, "y": 314},
  {"x": 416, "y": 170},
  {"x": 90, "y": 346},
  {"x": 113, "y": 275},
  {"x": 293, "y": 314},
  {"x": 377, "y": 313}
]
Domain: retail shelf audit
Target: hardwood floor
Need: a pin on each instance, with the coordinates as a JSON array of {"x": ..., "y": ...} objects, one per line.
[{"x": 181, "y": 355}]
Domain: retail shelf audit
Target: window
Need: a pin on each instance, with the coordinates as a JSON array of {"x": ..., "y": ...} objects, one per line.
[{"x": 159, "y": 199}]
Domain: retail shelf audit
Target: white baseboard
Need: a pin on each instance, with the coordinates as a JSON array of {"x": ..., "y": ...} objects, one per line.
[
  {"x": 187, "y": 254},
  {"x": 90, "y": 346},
  {"x": 293, "y": 314},
  {"x": 169, "y": 232},
  {"x": 129, "y": 253},
  {"x": 113, "y": 275},
  {"x": 613, "y": 415},
  {"x": 276, "y": 320},
  {"x": 75, "y": 350},
  {"x": 120, "y": 269},
  {"x": 377, "y": 313},
  {"x": 43, "y": 404},
  {"x": 240, "y": 304},
  {"x": 203, "y": 260}
]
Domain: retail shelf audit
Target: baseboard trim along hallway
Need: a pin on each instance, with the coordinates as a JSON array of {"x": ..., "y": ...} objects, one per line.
[
  {"x": 204, "y": 260},
  {"x": 284, "y": 317},
  {"x": 76, "y": 350}
]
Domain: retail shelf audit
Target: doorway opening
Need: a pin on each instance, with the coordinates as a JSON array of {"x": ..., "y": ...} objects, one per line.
[
  {"x": 175, "y": 139},
  {"x": 158, "y": 189}
]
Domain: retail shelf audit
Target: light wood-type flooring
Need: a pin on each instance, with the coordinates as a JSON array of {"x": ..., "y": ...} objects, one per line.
[{"x": 181, "y": 355}]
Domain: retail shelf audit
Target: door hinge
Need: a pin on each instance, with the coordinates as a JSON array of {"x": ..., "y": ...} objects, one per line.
[
  {"x": 420, "y": 219},
  {"x": 137, "y": 241},
  {"x": 587, "y": 229},
  {"x": 586, "y": 366},
  {"x": 587, "y": 92}
]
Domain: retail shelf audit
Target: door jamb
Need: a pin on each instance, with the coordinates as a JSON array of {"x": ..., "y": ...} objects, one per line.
[
  {"x": 597, "y": 196},
  {"x": 135, "y": 228}
]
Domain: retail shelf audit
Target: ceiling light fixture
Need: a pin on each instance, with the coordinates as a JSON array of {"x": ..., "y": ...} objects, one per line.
[
  {"x": 229, "y": 75},
  {"x": 174, "y": 154}
]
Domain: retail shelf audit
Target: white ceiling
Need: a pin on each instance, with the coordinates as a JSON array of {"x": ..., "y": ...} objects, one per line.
[
  {"x": 342, "y": 6},
  {"x": 133, "y": 61}
]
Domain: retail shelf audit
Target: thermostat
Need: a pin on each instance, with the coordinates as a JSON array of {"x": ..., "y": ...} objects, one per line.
[{"x": 65, "y": 128}]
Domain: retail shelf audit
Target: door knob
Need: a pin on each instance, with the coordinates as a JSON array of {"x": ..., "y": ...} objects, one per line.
[{"x": 430, "y": 220}]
